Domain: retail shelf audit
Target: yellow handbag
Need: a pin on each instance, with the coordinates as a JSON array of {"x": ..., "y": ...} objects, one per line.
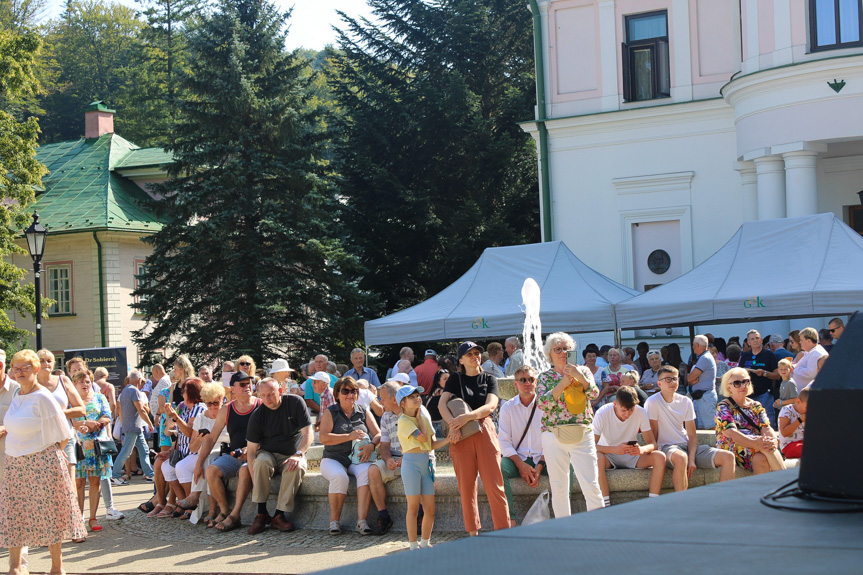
[{"x": 575, "y": 398}]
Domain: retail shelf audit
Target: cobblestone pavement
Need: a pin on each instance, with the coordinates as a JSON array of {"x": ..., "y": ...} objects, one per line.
[{"x": 138, "y": 544}]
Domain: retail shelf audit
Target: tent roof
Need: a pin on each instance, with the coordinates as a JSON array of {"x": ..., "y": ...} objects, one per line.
[
  {"x": 486, "y": 301},
  {"x": 808, "y": 266}
]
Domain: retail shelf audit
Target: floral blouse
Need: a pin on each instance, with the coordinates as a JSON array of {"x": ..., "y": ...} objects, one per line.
[
  {"x": 554, "y": 412},
  {"x": 729, "y": 418}
]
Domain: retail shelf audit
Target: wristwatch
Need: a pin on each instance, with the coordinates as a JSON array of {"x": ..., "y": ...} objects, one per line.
[
  {"x": 800, "y": 421},
  {"x": 299, "y": 453}
]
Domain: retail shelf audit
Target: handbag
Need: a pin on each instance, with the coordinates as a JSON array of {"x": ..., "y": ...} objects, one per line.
[
  {"x": 570, "y": 433},
  {"x": 79, "y": 451},
  {"x": 105, "y": 447},
  {"x": 356, "y": 454},
  {"x": 176, "y": 457},
  {"x": 457, "y": 406},
  {"x": 697, "y": 394}
]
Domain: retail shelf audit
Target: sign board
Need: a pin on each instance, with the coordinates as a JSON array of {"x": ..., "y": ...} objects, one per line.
[{"x": 111, "y": 358}]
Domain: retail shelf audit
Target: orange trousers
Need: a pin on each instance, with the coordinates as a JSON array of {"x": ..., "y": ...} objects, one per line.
[{"x": 480, "y": 454}]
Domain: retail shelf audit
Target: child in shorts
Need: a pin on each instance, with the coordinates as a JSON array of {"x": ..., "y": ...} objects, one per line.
[{"x": 417, "y": 439}]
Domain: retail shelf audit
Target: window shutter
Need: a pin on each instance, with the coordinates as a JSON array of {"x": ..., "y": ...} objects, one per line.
[{"x": 626, "y": 66}]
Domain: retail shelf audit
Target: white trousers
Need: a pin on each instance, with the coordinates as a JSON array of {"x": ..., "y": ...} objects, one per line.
[
  {"x": 337, "y": 475},
  {"x": 185, "y": 472},
  {"x": 582, "y": 456}
]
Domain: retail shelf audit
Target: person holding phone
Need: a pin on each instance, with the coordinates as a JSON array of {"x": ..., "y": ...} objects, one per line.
[{"x": 616, "y": 427}]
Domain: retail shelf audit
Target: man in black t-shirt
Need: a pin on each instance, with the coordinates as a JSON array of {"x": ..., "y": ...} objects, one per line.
[
  {"x": 762, "y": 366},
  {"x": 277, "y": 439}
]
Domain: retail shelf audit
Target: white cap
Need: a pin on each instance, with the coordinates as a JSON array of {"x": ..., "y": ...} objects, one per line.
[
  {"x": 322, "y": 376},
  {"x": 401, "y": 378}
]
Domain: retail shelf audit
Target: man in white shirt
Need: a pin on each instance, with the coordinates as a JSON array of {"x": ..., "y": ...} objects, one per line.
[
  {"x": 520, "y": 436},
  {"x": 672, "y": 421},
  {"x": 616, "y": 426},
  {"x": 806, "y": 369}
]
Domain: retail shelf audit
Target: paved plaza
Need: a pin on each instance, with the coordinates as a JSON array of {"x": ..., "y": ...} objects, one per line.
[{"x": 141, "y": 545}]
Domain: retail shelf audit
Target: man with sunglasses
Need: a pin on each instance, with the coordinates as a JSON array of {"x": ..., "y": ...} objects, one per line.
[
  {"x": 836, "y": 327},
  {"x": 520, "y": 437},
  {"x": 763, "y": 368},
  {"x": 672, "y": 421},
  {"x": 235, "y": 417}
]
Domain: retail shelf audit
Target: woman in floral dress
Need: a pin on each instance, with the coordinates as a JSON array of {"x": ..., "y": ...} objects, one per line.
[
  {"x": 742, "y": 426},
  {"x": 92, "y": 468}
]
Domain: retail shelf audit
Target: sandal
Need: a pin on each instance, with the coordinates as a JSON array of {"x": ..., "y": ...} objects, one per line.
[
  {"x": 229, "y": 523},
  {"x": 156, "y": 510},
  {"x": 146, "y": 507},
  {"x": 186, "y": 515},
  {"x": 178, "y": 512},
  {"x": 137, "y": 472},
  {"x": 167, "y": 511},
  {"x": 213, "y": 520},
  {"x": 184, "y": 505},
  {"x": 95, "y": 527},
  {"x": 80, "y": 540},
  {"x": 335, "y": 528}
]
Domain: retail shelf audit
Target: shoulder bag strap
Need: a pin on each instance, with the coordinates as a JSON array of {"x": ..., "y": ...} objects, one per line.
[
  {"x": 526, "y": 427},
  {"x": 743, "y": 413}
]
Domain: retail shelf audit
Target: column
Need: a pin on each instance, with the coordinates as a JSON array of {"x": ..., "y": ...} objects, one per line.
[
  {"x": 681, "y": 60},
  {"x": 770, "y": 177},
  {"x": 801, "y": 183},
  {"x": 750, "y": 189},
  {"x": 610, "y": 55}
]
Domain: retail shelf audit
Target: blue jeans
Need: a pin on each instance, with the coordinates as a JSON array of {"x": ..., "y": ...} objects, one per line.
[
  {"x": 705, "y": 410},
  {"x": 130, "y": 442},
  {"x": 766, "y": 400}
]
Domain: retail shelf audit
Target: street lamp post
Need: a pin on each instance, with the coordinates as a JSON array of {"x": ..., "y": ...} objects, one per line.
[{"x": 36, "y": 235}]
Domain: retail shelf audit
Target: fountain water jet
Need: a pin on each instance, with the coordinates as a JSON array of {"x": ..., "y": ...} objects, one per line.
[{"x": 532, "y": 333}]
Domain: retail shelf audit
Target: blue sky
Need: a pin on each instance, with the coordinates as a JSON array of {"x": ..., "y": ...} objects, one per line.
[{"x": 311, "y": 23}]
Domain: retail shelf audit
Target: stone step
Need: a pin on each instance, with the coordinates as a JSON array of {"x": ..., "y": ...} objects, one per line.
[{"x": 312, "y": 508}]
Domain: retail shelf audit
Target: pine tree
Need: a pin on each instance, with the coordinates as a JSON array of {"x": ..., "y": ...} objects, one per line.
[
  {"x": 20, "y": 174},
  {"x": 250, "y": 259},
  {"x": 433, "y": 165}
]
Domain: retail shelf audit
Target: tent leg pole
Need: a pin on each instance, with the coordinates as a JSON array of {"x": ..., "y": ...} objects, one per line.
[
  {"x": 617, "y": 337},
  {"x": 691, "y": 333}
]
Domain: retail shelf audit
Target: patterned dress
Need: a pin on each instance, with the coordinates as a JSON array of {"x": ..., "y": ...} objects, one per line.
[
  {"x": 554, "y": 411},
  {"x": 91, "y": 465},
  {"x": 729, "y": 417}
]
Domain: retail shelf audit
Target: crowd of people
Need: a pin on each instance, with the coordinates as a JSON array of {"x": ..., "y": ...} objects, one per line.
[{"x": 63, "y": 431}]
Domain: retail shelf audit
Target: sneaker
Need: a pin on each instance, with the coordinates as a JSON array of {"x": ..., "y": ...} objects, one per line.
[
  {"x": 114, "y": 514},
  {"x": 384, "y": 525},
  {"x": 118, "y": 481},
  {"x": 335, "y": 528},
  {"x": 363, "y": 527},
  {"x": 148, "y": 478}
]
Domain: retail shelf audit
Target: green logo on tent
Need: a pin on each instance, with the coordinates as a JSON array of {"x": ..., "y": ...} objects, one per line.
[
  {"x": 754, "y": 301},
  {"x": 479, "y": 323}
]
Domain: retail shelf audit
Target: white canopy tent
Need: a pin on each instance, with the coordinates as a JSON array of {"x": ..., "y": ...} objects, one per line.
[
  {"x": 809, "y": 266},
  {"x": 486, "y": 301}
]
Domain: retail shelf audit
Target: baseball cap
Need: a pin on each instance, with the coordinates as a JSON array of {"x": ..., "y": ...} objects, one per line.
[
  {"x": 777, "y": 338},
  {"x": 466, "y": 347},
  {"x": 431, "y": 352},
  {"x": 402, "y": 378},
  {"x": 407, "y": 390},
  {"x": 239, "y": 376},
  {"x": 322, "y": 376}
]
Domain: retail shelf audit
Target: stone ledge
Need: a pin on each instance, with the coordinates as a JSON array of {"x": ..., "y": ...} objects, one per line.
[{"x": 312, "y": 508}]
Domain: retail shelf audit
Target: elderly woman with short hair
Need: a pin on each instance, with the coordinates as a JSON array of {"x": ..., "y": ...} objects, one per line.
[
  {"x": 742, "y": 426},
  {"x": 564, "y": 394}
]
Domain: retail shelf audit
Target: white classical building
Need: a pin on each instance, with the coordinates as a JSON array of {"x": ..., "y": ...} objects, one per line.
[{"x": 662, "y": 125}]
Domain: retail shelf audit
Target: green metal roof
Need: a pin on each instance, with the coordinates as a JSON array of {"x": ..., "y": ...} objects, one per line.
[
  {"x": 83, "y": 192},
  {"x": 99, "y": 106},
  {"x": 143, "y": 157}
]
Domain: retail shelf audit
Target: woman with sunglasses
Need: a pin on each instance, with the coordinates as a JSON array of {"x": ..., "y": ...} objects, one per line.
[
  {"x": 564, "y": 394},
  {"x": 212, "y": 395},
  {"x": 342, "y": 424},
  {"x": 742, "y": 426}
]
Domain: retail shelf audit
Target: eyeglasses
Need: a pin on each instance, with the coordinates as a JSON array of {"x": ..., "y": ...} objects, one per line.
[
  {"x": 832, "y": 330},
  {"x": 350, "y": 392},
  {"x": 22, "y": 369},
  {"x": 243, "y": 363},
  {"x": 245, "y": 383},
  {"x": 527, "y": 380},
  {"x": 212, "y": 403},
  {"x": 670, "y": 379},
  {"x": 741, "y": 382},
  {"x": 563, "y": 349}
]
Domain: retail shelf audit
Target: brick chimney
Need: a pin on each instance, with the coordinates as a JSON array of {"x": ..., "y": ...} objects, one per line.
[{"x": 98, "y": 120}]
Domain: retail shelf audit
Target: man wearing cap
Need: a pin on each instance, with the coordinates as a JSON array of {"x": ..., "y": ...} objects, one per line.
[
  {"x": 278, "y": 436},
  {"x": 321, "y": 387},
  {"x": 777, "y": 346},
  {"x": 514, "y": 355},
  {"x": 313, "y": 399},
  {"x": 360, "y": 371},
  {"x": 281, "y": 372},
  {"x": 235, "y": 417},
  {"x": 427, "y": 370}
]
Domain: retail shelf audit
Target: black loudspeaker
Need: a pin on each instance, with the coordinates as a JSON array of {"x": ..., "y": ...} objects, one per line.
[{"x": 831, "y": 464}]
